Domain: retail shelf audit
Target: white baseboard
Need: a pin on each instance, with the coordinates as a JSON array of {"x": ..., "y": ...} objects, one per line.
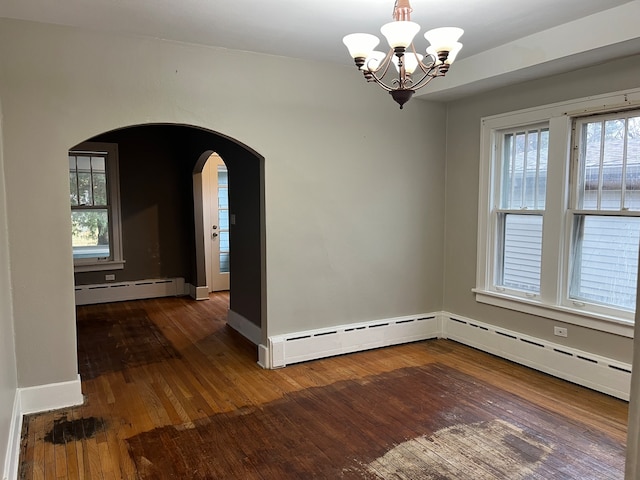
[
  {"x": 198, "y": 293},
  {"x": 12, "y": 459},
  {"x": 245, "y": 327},
  {"x": 263, "y": 356},
  {"x": 133, "y": 290},
  {"x": 52, "y": 396},
  {"x": 28, "y": 400},
  {"x": 583, "y": 368},
  {"x": 312, "y": 344}
]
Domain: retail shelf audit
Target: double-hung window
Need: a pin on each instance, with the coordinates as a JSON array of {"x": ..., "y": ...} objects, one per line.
[
  {"x": 605, "y": 211},
  {"x": 520, "y": 207},
  {"x": 559, "y": 211},
  {"x": 95, "y": 207}
]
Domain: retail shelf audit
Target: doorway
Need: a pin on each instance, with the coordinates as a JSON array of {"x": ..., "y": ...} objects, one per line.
[{"x": 215, "y": 208}]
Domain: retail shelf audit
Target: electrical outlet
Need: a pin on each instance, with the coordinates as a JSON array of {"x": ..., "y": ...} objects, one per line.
[
  {"x": 560, "y": 331},
  {"x": 110, "y": 277}
]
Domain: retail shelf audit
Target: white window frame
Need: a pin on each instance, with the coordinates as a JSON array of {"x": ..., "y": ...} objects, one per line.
[
  {"x": 551, "y": 301},
  {"x": 115, "y": 261}
]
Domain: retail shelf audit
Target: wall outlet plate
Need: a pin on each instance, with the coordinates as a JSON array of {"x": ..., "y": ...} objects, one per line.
[{"x": 560, "y": 331}]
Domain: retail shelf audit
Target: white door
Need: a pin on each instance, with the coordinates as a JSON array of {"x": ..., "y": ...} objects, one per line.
[{"x": 215, "y": 175}]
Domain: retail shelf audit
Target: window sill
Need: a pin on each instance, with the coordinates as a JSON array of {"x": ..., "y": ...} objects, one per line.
[
  {"x": 98, "y": 266},
  {"x": 572, "y": 316}
]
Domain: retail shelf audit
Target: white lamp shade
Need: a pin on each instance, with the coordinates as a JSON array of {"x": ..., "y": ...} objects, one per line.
[
  {"x": 410, "y": 61},
  {"x": 360, "y": 44},
  {"x": 373, "y": 61},
  {"x": 400, "y": 33},
  {"x": 444, "y": 38},
  {"x": 453, "y": 53}
]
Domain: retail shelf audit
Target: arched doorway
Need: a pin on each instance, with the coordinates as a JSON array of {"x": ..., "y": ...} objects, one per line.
[{"x": 156, "y": 167}]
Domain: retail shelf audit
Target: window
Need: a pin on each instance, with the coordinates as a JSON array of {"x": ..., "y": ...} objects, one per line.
[
  {"x": 606, "y": 205},
  {"x": 559, "y": 211},
  {"x": 523, "y": 157},
  {"x": 95, "y": 207}
]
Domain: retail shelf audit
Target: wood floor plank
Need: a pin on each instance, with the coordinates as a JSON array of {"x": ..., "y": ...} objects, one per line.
[{"x": 173, "y": 392}]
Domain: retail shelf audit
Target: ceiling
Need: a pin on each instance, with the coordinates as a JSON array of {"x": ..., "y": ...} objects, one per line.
[{"x": 313, "y": 29}]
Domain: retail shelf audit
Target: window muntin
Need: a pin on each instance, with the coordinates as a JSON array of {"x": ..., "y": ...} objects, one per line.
[
  {"x": 522, "y": 182},
  {"x": 95, "y": 207},
  {"x": 605, "y": 216}
]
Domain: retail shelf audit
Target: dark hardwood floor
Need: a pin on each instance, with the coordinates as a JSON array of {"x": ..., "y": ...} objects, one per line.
[{"x": 172, "y": 392}]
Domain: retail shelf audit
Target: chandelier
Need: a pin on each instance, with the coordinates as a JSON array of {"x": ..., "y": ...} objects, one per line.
[{"x": 413, "y": 70}]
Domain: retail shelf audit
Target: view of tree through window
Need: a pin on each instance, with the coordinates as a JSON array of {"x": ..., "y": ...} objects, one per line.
[{"x": 89, "y": 205}]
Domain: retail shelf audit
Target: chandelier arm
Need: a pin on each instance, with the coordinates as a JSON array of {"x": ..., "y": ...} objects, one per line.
[
  {"x": 383, "y": 65},
  {"x": 423, "y": 81},
  {"x": 378, "y": 80}
]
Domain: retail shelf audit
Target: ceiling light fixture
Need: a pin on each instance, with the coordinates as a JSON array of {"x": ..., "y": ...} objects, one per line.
[{"x": 399, "y": 34}]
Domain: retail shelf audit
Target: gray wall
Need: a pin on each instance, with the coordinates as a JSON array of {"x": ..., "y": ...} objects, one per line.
[
  {"x": 463, "y": 154},
  {"x": 353, "y": 186}
]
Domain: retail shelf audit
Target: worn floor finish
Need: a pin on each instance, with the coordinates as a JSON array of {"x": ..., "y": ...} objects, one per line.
[{"x": 172, "y": 392}]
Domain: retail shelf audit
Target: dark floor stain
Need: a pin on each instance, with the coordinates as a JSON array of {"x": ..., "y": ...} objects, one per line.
[
  {"x": 334, "y": 431},
  {"x": 106, "y": 345},
  {"x": 64, "y": 430}
]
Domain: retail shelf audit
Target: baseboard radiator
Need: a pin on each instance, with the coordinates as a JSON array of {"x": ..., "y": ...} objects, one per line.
[
  {"x": 313, "y": 344},
  {"x": 133, "y": 290},
  {"x": 583, "y": 368}
]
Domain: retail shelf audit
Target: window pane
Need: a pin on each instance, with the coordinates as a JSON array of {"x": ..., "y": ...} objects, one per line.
[
  {"x": 84, "y": 189},
  {"x": 632, "y": 193},
  {"x": 522, "y": 249},
  {"x": 223, "y": 176},
  {"x": 524, "y": 172},
  {"x": 609, "y": 176},
  {"x": 224, "y": 241},
  {"x": 223, "y": 218},
  {"x": 223, "y": 198},
  {"x": 73, "y": 180},
  {"x": 224, "y": 262},
  {"x": 90, "y": 233},
  {"x": 605, "y": 260},
  {"x": 99, "y": 189},
  {"x": 99, "y": 181}
]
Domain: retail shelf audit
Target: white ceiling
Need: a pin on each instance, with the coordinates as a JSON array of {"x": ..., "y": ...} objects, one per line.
[{"x": 313, "y": 29}]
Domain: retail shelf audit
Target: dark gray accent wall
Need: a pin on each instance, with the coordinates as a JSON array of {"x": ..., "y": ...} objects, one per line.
[{"x": 156, "y": 165}]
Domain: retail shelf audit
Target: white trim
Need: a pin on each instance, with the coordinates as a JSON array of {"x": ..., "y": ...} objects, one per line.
[
  {"x": 581, "y": 367},
  {"x": 12, "y": 459},
  {"x": 52, "y": 396},
  {"x": 244, "y": 327},
  {"x": 133, "y": 290},
  {"x": 313, "y": 344},
  {"x": 263, "y": 356},
  {"x": 197, "y": 293},
  {"x": 556, "y": 312},
  {"x": 577, "y": 366}
]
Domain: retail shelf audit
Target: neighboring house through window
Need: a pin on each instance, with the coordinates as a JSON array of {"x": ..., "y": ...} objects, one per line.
[
  {"x": 95, "y": 207},
  {"x": 559, "y": 212}
]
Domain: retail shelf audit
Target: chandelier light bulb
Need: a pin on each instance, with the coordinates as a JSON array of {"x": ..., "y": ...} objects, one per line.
[
  {"x": 444, "y": 38},
  {"x": 400, "y": 34},
  {"x": 410, "y": 60},
  {"x": 360, "y": 45}
]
